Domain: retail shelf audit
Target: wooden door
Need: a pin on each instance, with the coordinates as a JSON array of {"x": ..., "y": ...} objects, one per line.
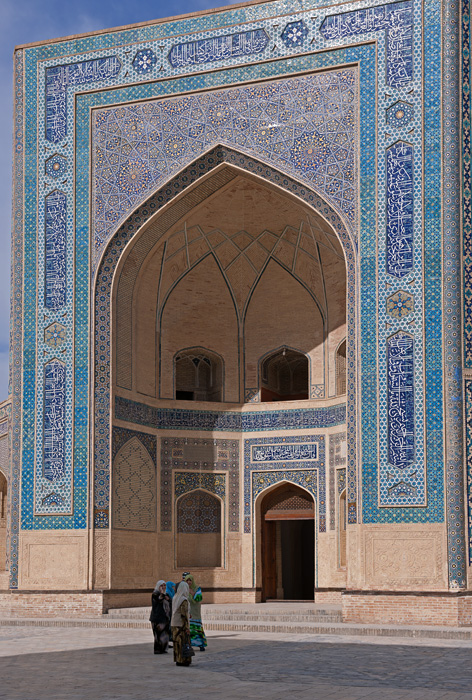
[{"x": 269, "y": 564}]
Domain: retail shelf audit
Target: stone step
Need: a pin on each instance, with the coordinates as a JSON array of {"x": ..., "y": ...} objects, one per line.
[
  {"x": 222, "y": 613},
  {"x": 280, "y": 628}
]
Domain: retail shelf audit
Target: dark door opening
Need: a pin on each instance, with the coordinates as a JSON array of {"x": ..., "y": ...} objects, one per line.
[
  {"x": 298, "y": 561},
  {"x": 288, "y": 545}
]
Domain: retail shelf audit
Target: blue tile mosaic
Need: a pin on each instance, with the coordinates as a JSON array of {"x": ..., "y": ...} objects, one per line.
[
  {"x": 228, "y": 421},
  {"x": 400, "y": 114},
  {"x": 195, "y": 460},
  {"x": 218, "y": 48},
  {"x": 59, "y": 78},
  {"x": 56, "y": 166},
  {"x": 295, "y": 34},
  {"x": 308, "y": 474},
  {"x": 401, "y": 400},
  {"x": 399, "y": 209},
  {"x": 55, "y": 278},
  {"x": 54, "y": 420},
  {"x": 138, "y": 147},
  {"x": 144, "y": 61},
  {"x": 396, "y": 19}
]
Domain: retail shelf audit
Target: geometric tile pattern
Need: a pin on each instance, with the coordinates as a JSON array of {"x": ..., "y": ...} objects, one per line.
[
  {"x": 199, "y": 511},
  {"x": 400, "y": 114},
  {"x": 467, "y": 248},
  {"x": 56, "y": 166},
  {"x": 400, "y": 304},
  {"x": 296, "y": 469},
  {"x": 139, "y": 147},
  {"x": 295, "y": 34},
  {"x": 144, "y": 61},
  {"x": 55, "y": 335},
  {"x": 134, "y": 488},
  {"x": 185, "y": 456}
]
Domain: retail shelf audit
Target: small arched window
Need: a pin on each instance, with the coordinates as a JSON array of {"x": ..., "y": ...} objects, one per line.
[
  {"x": 341, "y": 369},
  {"x": 284, "y": 376},
  {"x": 198, "y": 375}
]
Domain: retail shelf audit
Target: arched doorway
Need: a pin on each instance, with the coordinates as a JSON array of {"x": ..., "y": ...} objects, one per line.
[{"x": 288, "y": 544}]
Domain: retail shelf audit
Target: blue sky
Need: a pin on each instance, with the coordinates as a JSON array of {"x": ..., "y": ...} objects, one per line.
[{"x": 25, "y": 21}]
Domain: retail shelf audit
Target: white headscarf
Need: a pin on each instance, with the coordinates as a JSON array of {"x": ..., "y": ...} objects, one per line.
[
  {"x": 181, "y": 595},
  {"x": 158, "y": 584}
]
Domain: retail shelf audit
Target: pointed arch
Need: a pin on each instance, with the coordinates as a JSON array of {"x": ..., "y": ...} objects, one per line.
[{"x": 205, "y": 174}]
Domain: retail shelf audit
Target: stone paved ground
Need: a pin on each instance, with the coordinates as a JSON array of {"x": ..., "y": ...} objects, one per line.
[{"x": 114, "y": 664}]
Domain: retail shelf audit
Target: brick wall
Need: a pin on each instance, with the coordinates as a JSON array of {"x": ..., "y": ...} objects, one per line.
[
  {"x": 51, "y": 604},
  {"x": 400, "y": 609}
]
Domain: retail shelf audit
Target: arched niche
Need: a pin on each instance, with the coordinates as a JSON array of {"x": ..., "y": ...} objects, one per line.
[
  {"x": 341, "y": 369},
  {"x": 198, "y": 530},
  {"x": 284, "y": 375},
  {"x": 198, "y": 375},
  {"x": 134, "y": 488}
]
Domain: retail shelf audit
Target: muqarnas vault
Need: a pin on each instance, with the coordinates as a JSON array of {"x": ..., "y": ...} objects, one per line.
[{"x": 241, "y": 312}]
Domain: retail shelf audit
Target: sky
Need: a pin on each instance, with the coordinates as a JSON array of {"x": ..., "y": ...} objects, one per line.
[{"x": 26, "y": 21}]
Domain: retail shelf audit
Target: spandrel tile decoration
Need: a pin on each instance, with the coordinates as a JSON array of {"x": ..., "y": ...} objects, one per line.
[{"x": 237, "y": 303}]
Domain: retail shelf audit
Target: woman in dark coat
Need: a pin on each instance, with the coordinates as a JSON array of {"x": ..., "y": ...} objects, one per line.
[{"x": 160, "y": 617}]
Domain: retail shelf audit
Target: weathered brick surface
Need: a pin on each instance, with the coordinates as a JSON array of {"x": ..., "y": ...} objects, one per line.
[{"x": 431, "y": 609}]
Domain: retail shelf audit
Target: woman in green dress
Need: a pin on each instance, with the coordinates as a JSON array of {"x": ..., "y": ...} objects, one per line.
[{"x": 197, "y": 633}]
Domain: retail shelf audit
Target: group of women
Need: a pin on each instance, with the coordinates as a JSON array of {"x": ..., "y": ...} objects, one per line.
[{"x": 176, "y": 617}]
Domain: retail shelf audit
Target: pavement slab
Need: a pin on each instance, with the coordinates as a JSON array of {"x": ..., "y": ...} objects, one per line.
[{"x": 41, "y": 663}]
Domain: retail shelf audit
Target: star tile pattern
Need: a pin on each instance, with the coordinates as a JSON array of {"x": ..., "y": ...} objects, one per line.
[
  {"x": 400, "y": 114},
  {"x": 400, "y": 304},
  {"x": 306, "y": 125},
  {"x": 55, "y": 335},
  {"x": 295, "y": 34}
]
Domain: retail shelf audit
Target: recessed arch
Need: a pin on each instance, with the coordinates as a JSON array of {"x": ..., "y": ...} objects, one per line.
[
  {"x": 133, "y": 231},
  {"x": 199, "y": 529}
]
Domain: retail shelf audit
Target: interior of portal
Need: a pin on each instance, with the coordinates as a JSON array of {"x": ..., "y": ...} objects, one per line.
[
  {"x": 233, "y": 301},
  {"x": 242, "y": 299}
]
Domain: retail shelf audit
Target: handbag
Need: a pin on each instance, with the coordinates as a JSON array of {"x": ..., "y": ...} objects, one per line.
[{"x": 187, "y": 651}]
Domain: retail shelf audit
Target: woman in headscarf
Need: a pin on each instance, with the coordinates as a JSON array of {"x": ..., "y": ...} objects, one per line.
[
  {"x": 196, "y": 626},
  {"x": 170, "y": 589},
  {"x": 181, "y": 624},
  {"x": 160, "y": 617}
]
